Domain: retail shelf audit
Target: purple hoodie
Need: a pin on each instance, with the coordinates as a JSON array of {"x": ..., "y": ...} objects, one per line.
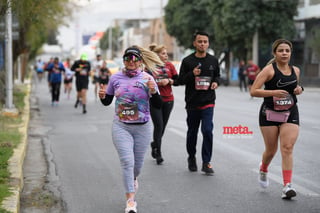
[{"x": 132, "y": 96}]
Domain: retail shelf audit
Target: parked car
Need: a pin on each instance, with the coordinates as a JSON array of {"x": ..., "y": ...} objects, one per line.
[{"x": 113, "y": 66}]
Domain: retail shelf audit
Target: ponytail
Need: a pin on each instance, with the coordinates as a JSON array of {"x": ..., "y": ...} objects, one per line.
[{"x": 150, "y": 59}]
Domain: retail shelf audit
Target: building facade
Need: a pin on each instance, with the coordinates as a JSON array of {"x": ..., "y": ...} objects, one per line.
[
  {"x": 144, "y": 32},
  {"x": 306, "y": 52}
]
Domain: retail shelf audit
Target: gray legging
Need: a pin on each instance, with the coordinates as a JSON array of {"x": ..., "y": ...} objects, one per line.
[{"x": 131, "y": 142}]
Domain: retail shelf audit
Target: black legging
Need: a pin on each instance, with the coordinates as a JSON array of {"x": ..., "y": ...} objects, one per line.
[
  {"x": 55, "y": 91},
  {"x": 242, "y": 83},
  {"x": 160, "y": 119}
]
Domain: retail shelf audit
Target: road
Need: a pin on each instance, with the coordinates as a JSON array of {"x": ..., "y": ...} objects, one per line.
[{"x": 83, "y": 168}]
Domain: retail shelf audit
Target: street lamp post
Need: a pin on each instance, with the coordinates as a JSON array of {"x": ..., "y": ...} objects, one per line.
[
  {"x": 110, "y": 55},
  {"x": 161, "y": 36},
  {"x": 9, "y": 107}
]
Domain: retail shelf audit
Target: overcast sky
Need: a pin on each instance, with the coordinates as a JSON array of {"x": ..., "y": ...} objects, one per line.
[{"x": 97, "y": 15}]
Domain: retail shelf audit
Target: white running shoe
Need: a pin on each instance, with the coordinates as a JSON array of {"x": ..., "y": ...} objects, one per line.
[
  {"x": 288, "y": 192},
  {"x": 131, "y": 206},
  {"x": 263, "y": 179}
]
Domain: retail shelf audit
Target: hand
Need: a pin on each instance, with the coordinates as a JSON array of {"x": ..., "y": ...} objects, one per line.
[
  {"x": 165, "y": 81},
  {"x": 298, "y": 90},
  {"x": 151, "y": 85},
  {"x": 197, "y": 70},
  {"x": 102, "y": 92},
  {"x": 214, "y": 85},
  {"x": 280, "y": 93}
]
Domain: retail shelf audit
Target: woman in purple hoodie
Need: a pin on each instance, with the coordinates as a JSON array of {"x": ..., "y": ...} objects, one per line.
[{"x": 134, "y": 91}]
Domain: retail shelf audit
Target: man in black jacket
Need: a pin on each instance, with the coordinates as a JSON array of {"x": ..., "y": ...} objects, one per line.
[{"x": 200, "y": 74}]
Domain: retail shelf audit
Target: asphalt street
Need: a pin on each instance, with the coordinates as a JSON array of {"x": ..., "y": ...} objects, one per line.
[{"x": 83, "y": 168}]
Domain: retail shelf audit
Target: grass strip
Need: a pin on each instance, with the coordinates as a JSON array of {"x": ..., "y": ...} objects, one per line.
[{"x": 10, "y": 137}]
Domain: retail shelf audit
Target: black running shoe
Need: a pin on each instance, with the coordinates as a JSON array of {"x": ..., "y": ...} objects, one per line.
[
  {"x": 192, "y": 164},
  {"x": 207, "y": 168},
  {"x": 76, "y": 104},
  {"x": 159, "y": 159},
  {"x": 154, "y": 150}
]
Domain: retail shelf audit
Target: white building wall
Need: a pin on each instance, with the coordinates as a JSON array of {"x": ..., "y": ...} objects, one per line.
[{"x": 308, "y": 11}]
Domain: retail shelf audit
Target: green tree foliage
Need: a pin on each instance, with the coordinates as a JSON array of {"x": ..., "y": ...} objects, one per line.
[
  {"x": 233, "y": 22},
  {"x": 38, "y": 21},
  {"x": 3, "y": 7},
  {"x": 184, "y": 17}
]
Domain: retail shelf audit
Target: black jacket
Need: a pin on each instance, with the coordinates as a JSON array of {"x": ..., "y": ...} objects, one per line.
[{"x": 209, "y": 67}]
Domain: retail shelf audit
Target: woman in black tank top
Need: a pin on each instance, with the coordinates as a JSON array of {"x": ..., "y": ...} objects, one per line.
[{"x": 279, "y": 112}]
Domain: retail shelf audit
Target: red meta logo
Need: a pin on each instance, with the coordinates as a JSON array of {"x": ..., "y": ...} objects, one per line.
[{"x": 236, "y": 130}]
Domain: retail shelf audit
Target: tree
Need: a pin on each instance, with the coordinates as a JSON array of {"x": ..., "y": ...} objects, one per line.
[
  {"x": 38, "y": 22},
  {"x": 104, "y": 41},
  {"x": 232, "y": 22},
  {"x": 235, "y": 23},
  {"x": 184, "y": 17}
]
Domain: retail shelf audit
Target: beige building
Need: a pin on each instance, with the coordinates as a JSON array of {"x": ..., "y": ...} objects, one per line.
[{"x": 143, "y": 32}]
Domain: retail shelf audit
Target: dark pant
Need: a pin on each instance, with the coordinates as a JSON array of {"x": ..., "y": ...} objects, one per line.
[
  {"x": 160, "y": 119},
  {"x": 242, "y": 83},
  {"x": 81, "y": 84},
  {"x": 194, "y": 117},
  {"x": 55, "y": 91}
]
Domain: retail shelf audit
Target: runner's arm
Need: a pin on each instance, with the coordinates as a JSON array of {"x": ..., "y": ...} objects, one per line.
[
  {"x": 107, "y": 100},
  {"x": 156, "y": 100}
]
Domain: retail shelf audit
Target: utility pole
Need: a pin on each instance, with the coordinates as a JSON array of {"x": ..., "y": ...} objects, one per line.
[
  {"x": 161, "y": 39},
  {"x": 140, "y": 17},
  {"x": 255, "y": 48},
  {"x": 78, "y": 36},
  {"x": 110, "y": 55},
  {"x": 9, "y": 107}
]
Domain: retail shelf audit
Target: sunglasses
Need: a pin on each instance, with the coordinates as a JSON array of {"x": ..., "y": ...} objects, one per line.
[{"x": 131, "y": 58}]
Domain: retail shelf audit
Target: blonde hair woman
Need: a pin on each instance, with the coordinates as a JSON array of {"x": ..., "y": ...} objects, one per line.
[
  {"x": 166, "y": 76},
  {"x": 150, "y": 59},
  {"x": 135, "y": 91},
  {"x": 279, "y": 115}
]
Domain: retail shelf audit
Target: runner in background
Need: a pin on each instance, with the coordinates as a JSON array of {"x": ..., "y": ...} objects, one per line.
[
  {"x": 39, "y": 68},
  {"x": 104, "y": 75},
  {"x": 82, "y": 69},
  {"x": 68, "y": 77},
  {"x": 252, "y": 71},
  {"x": 242, "y": 73},
  {"x": 48, "y": 75},
  {"x": 56, "y": 69},
  {"x": 96, "y": 66}
]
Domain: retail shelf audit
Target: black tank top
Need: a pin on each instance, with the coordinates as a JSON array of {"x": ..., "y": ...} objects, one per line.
[{"x": 283, "y": 82}]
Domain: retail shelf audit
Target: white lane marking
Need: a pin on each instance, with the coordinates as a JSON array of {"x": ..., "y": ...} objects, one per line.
[{"x": 177, "y": 132}]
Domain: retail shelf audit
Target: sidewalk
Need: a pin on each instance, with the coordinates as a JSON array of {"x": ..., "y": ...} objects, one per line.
[{"x": 12, "y": 203}]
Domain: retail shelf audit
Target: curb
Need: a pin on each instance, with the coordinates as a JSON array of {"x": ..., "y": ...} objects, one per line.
[{"x": 12, "y": 203}]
